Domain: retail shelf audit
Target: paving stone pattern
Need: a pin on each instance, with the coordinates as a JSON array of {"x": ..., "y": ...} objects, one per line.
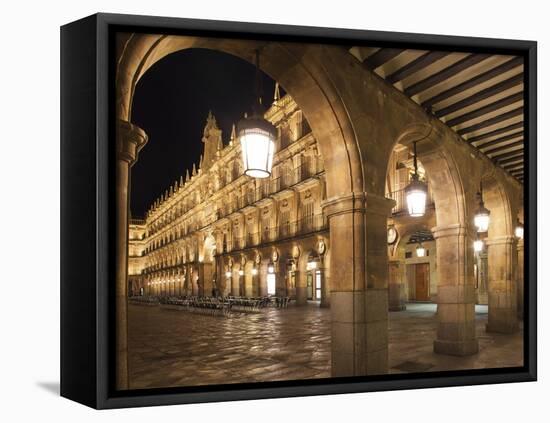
[{"x": 169, "y": 348}]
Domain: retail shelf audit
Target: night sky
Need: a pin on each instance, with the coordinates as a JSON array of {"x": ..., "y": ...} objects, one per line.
[{"x": 171, "y": 104}]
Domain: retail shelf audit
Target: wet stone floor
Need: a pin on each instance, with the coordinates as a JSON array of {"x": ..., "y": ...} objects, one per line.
[{"x": 170, "y": 347}]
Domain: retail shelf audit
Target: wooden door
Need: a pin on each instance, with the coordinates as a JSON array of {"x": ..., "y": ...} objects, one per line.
[{"x": 422, "y": 279}]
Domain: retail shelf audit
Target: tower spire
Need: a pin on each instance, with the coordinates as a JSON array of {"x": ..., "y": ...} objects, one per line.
[
  {"x": 233, "y": 135},
  {"x": 276, "y": 94},
  {"x": 186, "y": 175}
]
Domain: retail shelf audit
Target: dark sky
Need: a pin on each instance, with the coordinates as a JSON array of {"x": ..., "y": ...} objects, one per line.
[{"x": 171, "y": 104}]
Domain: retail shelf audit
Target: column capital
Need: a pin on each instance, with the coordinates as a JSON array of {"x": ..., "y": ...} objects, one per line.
[
  {"x": 362, "y": 202},
  {"x": 520, "y": 244},
  {"x": 130, "y": 140},
  {"x": 456, "y": 229},
  {"x": 501, "y": 240}
]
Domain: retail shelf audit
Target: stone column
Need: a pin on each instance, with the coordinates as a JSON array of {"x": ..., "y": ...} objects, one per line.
[
  {"x": 129, "y": 140},
  {"x": 455, "y": 292},
  {"x": 359, "y": 273},
  {"x": 262, "y": 277},
  {"x": 301, "y": 286},
  {"x": 482, "y": 275},
  {"x": 519, "y": 278},
  {"x": 501, "y": 258},
  {"x": 235, "y": 282},
  {"x": 325, "y": 294},
  {"x": 396, "y": 285}
]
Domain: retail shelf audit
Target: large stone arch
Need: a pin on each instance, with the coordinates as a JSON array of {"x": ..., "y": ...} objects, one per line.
[
  {"x": 446, "y": 167},
  {"x": 297, "y": 67}
]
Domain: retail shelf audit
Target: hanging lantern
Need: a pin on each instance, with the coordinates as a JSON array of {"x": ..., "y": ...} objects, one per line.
[
  {"x": 257, "y": 137},
  {"x": 481, "y": 217},
  {"x": 420, "y": 250},
  {"x": 270, "y": 268},
  {"x": 241, "y": 272},
  {"x": 227, "y": 275},
  {"x": 416, "y": 192},
  {"x": 478, "y": 245},
  {"x": 519, "y": 230},
  {"x": 254, "y": 271}
]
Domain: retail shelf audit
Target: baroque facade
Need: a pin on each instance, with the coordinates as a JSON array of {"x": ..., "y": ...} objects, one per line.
[{"x": 219, "y": 232}]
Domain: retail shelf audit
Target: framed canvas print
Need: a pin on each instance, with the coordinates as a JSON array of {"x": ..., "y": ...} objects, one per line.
[{"x": 257, "y": 211}]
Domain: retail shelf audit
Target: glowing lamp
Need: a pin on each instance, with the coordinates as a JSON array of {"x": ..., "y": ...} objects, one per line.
[
  {"x": 478, "y": 245},
  {"x": 420, "y": 251},
  {"x": 416, "y": 192},
  {"x": 481, "y": 216},
  {"x": 254, "y": 271},
  {"x": 257, "y": 137},
  {"x": 481, "y": 219},
  {"x": 227, "y": 275},
  {"x": 241, "y": 272},
  {"x": 519, "y": 230},
  {"x": 270, "y": 269}
]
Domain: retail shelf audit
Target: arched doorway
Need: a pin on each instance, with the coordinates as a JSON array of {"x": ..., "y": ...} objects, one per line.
[{"x": 453, "y": 232}]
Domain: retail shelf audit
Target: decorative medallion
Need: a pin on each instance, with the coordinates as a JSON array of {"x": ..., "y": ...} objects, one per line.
[
  {"x": 392, "y": 235},
  {"x": 321, "y": 247}
]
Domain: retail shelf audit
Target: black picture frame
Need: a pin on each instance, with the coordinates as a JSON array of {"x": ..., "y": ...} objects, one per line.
[{"x": 87, "y": 212}]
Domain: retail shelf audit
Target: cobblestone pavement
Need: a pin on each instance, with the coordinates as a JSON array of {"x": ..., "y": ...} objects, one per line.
[{"x": 178, "y": 348}]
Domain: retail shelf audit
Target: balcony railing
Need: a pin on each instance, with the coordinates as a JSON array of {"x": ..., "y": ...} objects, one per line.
[
  {"x": 401, "y": 200},
  {"x": 137, "y": 221},
  {"x": 272, "y": 186},
  {"x": 304, "y": 226}
]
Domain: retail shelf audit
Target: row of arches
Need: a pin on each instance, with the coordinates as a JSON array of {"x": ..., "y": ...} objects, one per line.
[{"x": 357, "y": 120}]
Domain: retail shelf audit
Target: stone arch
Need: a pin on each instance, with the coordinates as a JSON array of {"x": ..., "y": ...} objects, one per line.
[
  {"x": 297, "y": 67},
  {"x": 446, "y": 168}
]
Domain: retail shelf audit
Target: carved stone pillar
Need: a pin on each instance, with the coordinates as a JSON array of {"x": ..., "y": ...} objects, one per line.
[
  {"x": 482, "y": 279},
  {"x": 455, "y": 292},
  {"x": 359, "y": 273},
  {"x": 325, "y": 293},
  {"x": 520, "y": 279},
  {"x": 502, "y": 259},
  {"x": 236, "y": 282},
  {"x": 301, "y": 287},
  {"x": 396, "y": 285},
  {"x": 262, "y": 276},
  {"x": 129, "y": 140}
]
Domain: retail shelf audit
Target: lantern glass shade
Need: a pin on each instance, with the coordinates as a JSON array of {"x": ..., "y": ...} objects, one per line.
[
  {"x": 519, "y": 231},
  {"x": 257, "y": 137},
  {"x": 481, "y": 219},
  {"x": 254, "y": 271},
  {"x": 241, "y": 272},
  {"x": 270, "y": 269},
  {"x": 420, "y": 251},
  {"x": 478, "y": 245},
  {"x": 228, "y": 274},
  {"x": 416, "y": 193}
]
